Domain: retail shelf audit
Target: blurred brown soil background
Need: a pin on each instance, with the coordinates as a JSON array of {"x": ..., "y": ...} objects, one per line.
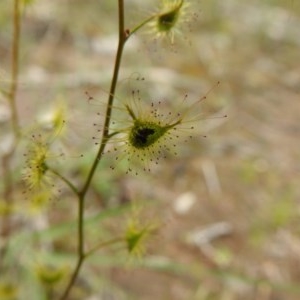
[{"x": 229, "y": 203}]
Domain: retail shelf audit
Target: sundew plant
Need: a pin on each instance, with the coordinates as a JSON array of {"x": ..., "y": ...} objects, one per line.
[{"x": 139, "y": 131}]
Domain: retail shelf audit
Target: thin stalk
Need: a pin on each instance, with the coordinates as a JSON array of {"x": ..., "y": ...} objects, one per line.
[
  {"x": 11, "y": 96},
  {"x": 65, "y": 180},
  {"x": 81, "y": 259},
  {"x": 139, "y": 26},
  {"x": 105, "y": 137},
  {"x": 73, "y": 278},
  {"x": 15, "y": 68},
  {"x": 104, "y": 244}
]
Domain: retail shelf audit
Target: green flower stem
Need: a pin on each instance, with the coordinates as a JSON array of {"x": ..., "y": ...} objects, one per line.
[
  {"x": 49, "y": 292},
  {"x": 73, "y": 278},
  {"x": 104, "y": 244},
  {"x": 123, "y": 36},
  {"x": 65, "y": 180},
  {"x": 113, "y": 134},
  {"x": 139, "y": 26}
]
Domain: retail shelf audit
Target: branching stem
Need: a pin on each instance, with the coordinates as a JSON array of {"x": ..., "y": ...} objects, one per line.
[
  {"x": 123, "y": 35},
  {"x": 104, "y": 244},
  {"x": 65, "y": 180}
]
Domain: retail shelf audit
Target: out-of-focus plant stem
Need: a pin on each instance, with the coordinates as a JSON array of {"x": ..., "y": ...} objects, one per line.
[
  {"x": 15, "y": 68},
  {"x": 11, "y": 96}
]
